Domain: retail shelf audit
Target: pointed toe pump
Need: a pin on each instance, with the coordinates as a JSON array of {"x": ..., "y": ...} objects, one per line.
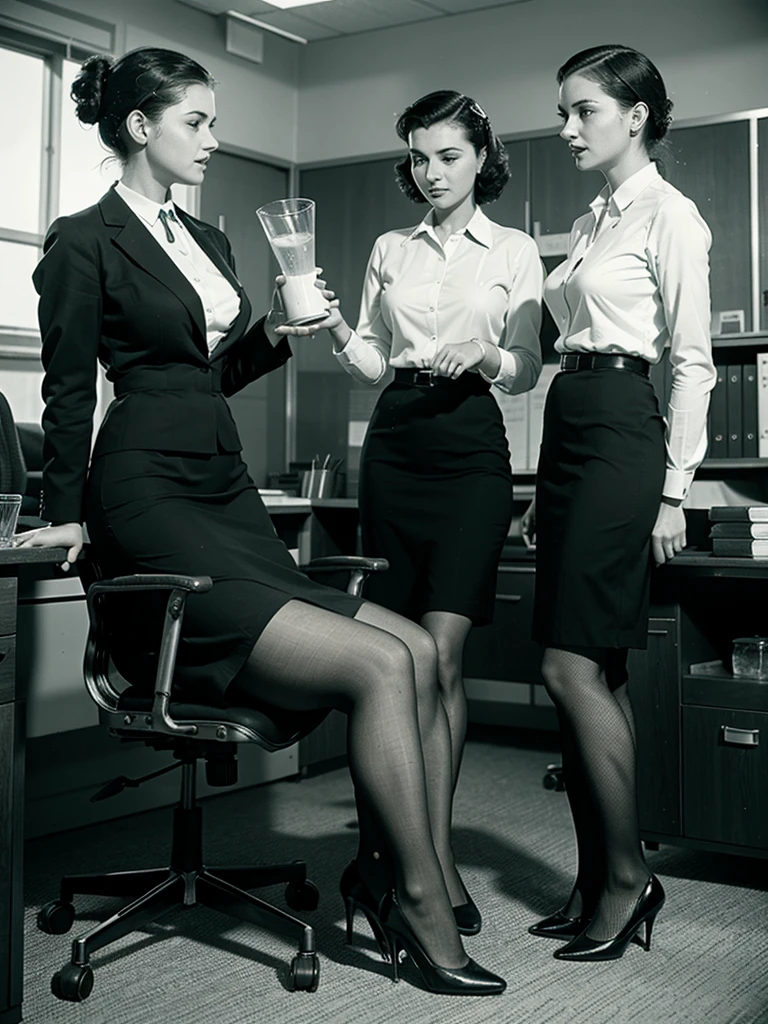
[
  {"x": 469, "y": 980},
  {"x": 357, "y": 896},
  {"x": 559, "y": 926},
  {"x": 649, "y": 903}
]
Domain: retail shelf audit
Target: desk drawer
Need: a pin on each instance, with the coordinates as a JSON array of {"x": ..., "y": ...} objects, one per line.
[
  {"x": 7, "y": 605},
  {"x": 504, "y": 650},
  {"x": 725, "y": 765},
  {"x": 7, "y": 669}
]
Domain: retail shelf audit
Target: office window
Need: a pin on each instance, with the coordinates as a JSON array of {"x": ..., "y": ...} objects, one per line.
[{"x": 51, "y": 165}]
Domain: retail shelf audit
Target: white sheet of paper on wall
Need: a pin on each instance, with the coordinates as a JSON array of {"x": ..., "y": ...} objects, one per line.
[{"x": 356, "y": 433}]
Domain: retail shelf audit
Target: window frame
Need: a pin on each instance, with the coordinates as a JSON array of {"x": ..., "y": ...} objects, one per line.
[{"x": 24, "y": 342}]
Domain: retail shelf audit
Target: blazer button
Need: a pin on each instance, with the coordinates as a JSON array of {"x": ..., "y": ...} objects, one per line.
[{"x": 205, "y": 369}]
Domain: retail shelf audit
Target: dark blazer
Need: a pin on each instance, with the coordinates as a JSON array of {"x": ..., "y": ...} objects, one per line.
[{"x": 109, "y": 293}]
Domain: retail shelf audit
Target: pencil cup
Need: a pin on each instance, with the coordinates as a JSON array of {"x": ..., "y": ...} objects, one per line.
[
  {"x": 289, "y": 224},
  {"x": 318, "y": 483},
  {"x": 9, "y": 515}
]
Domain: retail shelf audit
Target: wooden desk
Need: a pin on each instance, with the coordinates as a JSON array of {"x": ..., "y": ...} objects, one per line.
[{"x": 13, "y": 563}]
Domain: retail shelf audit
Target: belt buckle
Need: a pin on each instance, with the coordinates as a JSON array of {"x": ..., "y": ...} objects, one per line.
[
  {"x": 423, "y": 379},
  {"x": 569, "y": 361}
]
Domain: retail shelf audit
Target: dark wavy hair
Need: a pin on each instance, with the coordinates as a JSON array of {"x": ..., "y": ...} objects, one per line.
[
  {"x": 447, "y": 105},
  {"x": 148, "y": 79},
  {"x": 628, "y": 77}
]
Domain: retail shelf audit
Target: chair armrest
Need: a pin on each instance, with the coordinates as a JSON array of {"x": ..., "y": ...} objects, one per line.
[
  {"x": 334, "y": 563},
  {"x": 152, "y": 581}
]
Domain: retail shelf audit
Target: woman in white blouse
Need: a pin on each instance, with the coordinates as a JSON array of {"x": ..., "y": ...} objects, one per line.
[
  {"x": 453, "y": 306},
  {"x": 612, "y": 475}
]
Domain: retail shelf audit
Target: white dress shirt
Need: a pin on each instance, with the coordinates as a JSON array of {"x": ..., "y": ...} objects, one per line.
[
  {"x": 636, "y": 280},
  {"x": 485, "y": 282},
  {"x": 220, "y": 301}
]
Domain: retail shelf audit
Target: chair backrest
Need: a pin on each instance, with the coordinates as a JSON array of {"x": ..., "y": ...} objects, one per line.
[{"x": 13, "y": 471}]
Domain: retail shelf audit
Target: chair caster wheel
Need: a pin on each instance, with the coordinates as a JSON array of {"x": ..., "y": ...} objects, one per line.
[
  {"x": 553, "y": 778},
  {"x": 305, "y": 972},
  {"x": 56, "y": 917},
  {"x": 302, "y": 895},
  {"x": 73, "y": 983}
]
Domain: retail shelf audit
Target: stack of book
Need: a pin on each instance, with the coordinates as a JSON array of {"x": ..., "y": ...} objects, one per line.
[{"x": 739, "y": 531}]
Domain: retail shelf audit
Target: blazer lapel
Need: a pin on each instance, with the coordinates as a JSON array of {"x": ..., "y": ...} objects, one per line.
[{"x": 137, "y": 243}]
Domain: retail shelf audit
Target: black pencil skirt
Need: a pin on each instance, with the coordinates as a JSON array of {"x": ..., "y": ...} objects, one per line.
[
  {"x": 166, "y": 512},
  {"x": 599, "y": 483},
  {"x": 436, "y": 497}
]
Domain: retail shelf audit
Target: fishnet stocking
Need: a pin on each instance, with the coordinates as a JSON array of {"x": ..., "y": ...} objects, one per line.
[
  {"x": 308, "y": 657},
  {"x": 599, "y": 766}
]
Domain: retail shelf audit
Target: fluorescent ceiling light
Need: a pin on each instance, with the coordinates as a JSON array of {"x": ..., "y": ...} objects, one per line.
[{"x": 285, "y": 4}]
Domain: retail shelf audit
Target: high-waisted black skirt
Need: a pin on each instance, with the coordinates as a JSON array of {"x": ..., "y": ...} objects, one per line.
[
  {"x": 598, "y": 489},
  {"x": 165, "y": 512},
  {"x": 436, "y": 497}
]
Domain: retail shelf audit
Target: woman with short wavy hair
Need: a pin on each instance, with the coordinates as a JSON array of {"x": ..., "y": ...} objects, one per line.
[{"x": 453, "y": 306}]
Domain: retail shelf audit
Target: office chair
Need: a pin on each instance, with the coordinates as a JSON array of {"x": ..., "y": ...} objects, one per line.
[{"x": 192, "y": 731}]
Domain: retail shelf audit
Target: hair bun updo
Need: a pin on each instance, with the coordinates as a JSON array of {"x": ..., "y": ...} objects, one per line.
[{"x": 88, "y": 88}]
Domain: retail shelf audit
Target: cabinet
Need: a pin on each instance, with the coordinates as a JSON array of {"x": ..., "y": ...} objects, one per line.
[
  {"x": 502, "y": 676},
  {"x": 11, "y": 812},
  {"x": 702, "y": 733}
]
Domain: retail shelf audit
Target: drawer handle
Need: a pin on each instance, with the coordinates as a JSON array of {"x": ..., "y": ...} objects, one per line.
[
  {"x": 658, "y": 632},
  {"x": 510, "y": 598},
  {"x": 740, "y": 737}
]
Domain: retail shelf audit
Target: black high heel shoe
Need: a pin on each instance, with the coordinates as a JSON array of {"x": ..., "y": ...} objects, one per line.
[
  {"x": 470, "y": 980},
  {"x": 649, "y": 903},
  {"x": 559, "y": 926},
  {"x": 357, "y": 896},
  {"x": 468, "y": 919}
]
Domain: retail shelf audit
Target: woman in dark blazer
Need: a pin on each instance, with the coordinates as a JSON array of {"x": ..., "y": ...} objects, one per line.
[{"x": 152, "y": 294}]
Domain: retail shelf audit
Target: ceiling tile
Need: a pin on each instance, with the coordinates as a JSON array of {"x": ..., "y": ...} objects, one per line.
[
  {"x": 288, "y": 22},
  {"x": 364, "y": 15},
  {"x": 471, "y": 6}
]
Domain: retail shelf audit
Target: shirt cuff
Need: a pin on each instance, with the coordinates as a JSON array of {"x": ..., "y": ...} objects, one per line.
[
  {"x": 677, "y": 483},
  {"x": 508, "y": 369},
  {"x": 358, "y": 356}
]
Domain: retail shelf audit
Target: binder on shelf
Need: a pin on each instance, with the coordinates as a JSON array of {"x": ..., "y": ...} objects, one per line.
[
  {"x": 733, "y": 388},
  {"x": 762, "y": 405},
  {"x": 741, "y": 529},
  {"x": 739, "y": 514},
  {"x": 732, "y": 547},
  {"x": 749, "y": 410},
  {"x": 718, "y": 416}
]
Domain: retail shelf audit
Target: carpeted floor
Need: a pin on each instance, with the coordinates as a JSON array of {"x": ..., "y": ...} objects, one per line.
[{"x": 708, "y": 964}]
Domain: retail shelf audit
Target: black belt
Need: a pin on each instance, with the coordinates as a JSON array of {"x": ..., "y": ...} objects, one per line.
[
  {"x": 429, "y": 379},
  {"x": 597, "y": 361}
]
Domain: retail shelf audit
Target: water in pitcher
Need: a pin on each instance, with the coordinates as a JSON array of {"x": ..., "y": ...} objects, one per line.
[{"x": 295, "y": 253}]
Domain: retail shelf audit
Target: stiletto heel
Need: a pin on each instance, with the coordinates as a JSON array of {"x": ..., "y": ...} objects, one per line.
[
  {"x": 357, "y": 896},
  {"x": 649, "y": 903},
  {"x": 469, "y": 980}
]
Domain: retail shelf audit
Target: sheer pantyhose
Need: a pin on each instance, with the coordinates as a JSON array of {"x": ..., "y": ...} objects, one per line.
[
  {"x": 597, "y": 729},
  {"x": 450, "y": 632},
  {"x": 308, "y": 658}
]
